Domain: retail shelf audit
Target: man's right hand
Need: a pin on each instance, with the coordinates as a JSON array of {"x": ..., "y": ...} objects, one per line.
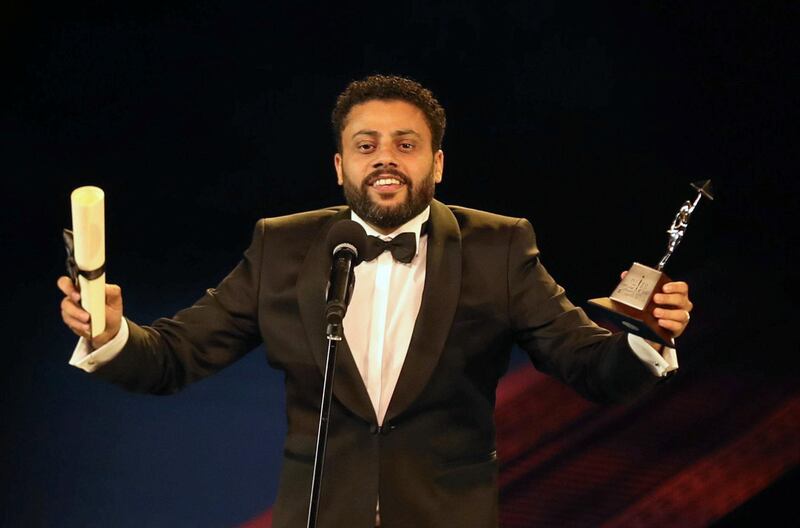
[{"x": 77, "y": 319}]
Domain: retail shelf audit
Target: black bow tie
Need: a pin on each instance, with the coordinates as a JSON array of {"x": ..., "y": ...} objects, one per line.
[{"x": 403, "y": 247}]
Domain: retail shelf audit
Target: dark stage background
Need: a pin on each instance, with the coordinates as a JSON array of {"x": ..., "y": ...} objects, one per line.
[{"x": 198, "y": 118}]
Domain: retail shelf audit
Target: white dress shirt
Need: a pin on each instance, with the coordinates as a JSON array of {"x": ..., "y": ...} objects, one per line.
[{"x": 380, "y": 320}]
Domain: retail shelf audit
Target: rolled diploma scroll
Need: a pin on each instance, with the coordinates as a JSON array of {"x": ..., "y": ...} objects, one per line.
[{"x": 88, "y": 226}]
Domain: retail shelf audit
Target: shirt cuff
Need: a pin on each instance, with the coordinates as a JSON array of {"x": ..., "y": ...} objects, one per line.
[
  {"x": 90, "y": 360},
  {"x": 659, "y": 364}
]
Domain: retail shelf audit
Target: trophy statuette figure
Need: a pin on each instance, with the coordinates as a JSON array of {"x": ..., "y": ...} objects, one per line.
[{"x": 630, "y": 306}]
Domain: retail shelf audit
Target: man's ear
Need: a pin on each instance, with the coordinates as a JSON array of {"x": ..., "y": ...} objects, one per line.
[
  {"x": 438, "y": 166},
  {"x": 337, "y": 164}
]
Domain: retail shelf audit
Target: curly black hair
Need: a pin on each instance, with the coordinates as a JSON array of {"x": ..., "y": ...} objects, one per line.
[{"x": 389, "y": 88}]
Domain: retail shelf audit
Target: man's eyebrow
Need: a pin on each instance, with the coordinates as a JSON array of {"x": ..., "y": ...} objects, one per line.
[
  {"x": 396, "y": 133},
  {"x": 366, "y": 133},
  {"x": 408, "y": 132}
]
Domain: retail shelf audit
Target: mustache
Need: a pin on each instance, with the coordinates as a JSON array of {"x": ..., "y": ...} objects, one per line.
[{"x": 377, "y": 174}]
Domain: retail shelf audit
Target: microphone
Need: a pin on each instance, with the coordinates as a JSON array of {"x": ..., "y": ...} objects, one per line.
[{"x": 346, "y": 242}]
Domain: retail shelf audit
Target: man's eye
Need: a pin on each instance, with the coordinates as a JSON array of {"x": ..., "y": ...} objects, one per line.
[
  {"x": 364, "y": 147},
  {"x": 407, "y": 146}
]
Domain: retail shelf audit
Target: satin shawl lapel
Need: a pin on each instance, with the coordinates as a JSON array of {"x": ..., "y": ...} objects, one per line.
[
  {"x": 439, "y": 301},
  {"x": 348, "y": 387}
]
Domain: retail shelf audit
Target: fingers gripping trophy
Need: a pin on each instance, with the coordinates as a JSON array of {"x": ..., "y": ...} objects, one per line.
[{"x": 630, "y": 306}]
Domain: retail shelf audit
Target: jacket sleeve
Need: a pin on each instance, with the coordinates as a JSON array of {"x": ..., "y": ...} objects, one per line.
[
  {"x": 215, "y": 331},
  {"x": 559, "y": 338}
]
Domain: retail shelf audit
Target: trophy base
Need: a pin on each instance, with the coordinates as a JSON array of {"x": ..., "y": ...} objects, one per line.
[
  {"x": 627, "y": 319},
  {"x": 630, "y": 307}
]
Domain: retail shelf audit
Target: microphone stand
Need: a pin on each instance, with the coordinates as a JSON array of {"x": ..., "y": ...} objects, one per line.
[{"x": 334, "y": 336}]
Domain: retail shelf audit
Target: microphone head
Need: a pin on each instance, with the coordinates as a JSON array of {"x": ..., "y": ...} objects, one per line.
[{"x": 347, "y": 233}]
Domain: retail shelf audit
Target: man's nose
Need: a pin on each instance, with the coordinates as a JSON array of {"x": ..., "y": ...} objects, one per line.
[
  {"x": 386, "y": 163},
  {"x": 385, "y": 158}
]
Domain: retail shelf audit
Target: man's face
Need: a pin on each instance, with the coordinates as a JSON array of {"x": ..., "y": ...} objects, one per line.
[{"x": 387, "y": 166}]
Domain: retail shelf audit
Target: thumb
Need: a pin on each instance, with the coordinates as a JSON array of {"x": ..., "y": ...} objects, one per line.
[{"x": 113, "y": 296}]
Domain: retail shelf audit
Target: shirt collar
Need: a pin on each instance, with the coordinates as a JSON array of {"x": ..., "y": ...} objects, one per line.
[{"x": 412, "y": 226}]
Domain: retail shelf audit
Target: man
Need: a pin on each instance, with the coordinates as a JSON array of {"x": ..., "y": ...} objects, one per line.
[{"x": 426, "y": 340}]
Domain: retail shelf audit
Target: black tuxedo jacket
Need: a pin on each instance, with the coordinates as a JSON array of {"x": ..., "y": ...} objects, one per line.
[{"x": 433, "y": 462}]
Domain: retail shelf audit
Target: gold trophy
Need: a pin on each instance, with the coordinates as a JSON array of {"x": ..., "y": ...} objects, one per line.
[{"x": 630, "y": 306}]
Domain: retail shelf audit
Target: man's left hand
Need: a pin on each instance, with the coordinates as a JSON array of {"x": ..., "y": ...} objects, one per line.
[
  {"x": 673, "y": 310},
  {"x": 674, "y": 307}
]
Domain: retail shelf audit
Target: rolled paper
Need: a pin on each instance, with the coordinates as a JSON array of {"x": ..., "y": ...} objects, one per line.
[{"x": 88, "y": 226}]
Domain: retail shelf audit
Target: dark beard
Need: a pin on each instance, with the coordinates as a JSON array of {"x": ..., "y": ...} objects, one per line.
[{"x": 382, "y": 216}]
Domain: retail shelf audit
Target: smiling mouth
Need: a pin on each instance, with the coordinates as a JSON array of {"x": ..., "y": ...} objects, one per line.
[{"x": 386, "y": 183}]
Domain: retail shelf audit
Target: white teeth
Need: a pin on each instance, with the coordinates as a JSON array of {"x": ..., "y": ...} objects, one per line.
[{"x": 387, "y": 181}]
